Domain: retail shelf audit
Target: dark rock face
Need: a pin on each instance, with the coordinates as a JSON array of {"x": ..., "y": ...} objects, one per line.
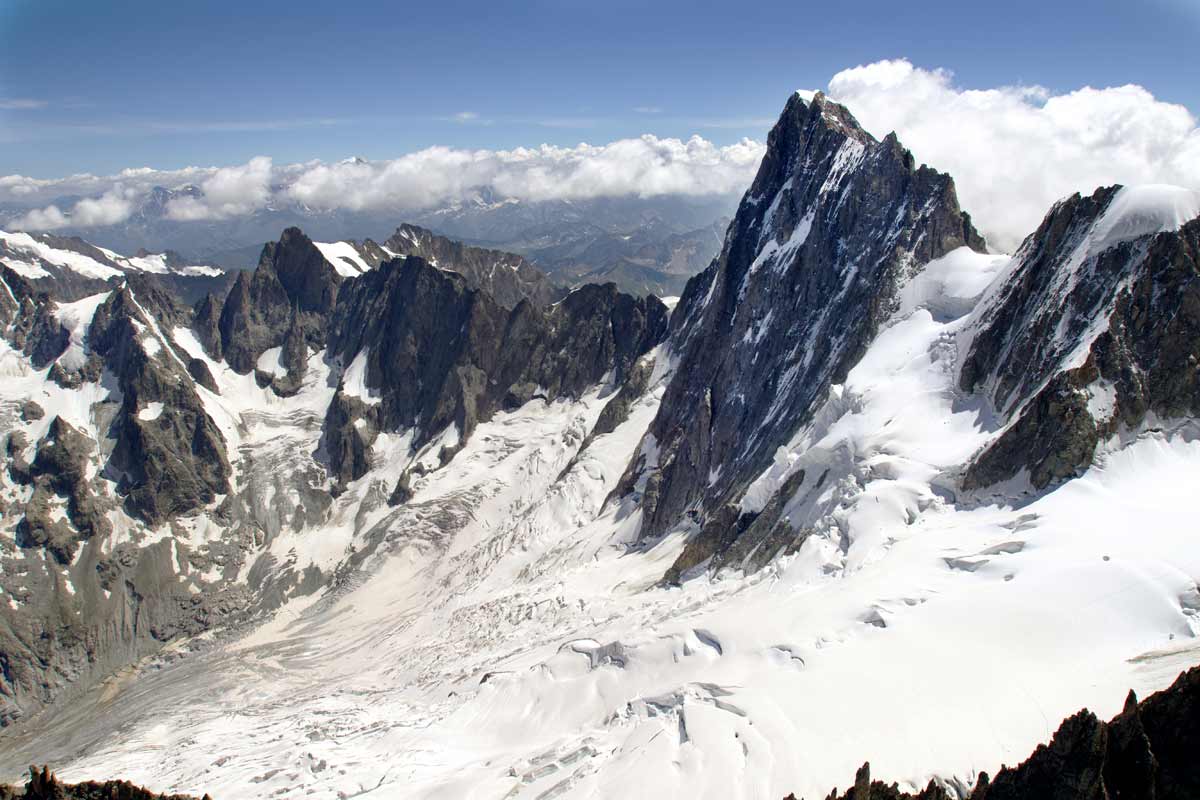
[
  {"x": 29, "y": 324},
  {"x": 440, "y": 353},
  {"x": 346, "y": 446},
  {"x": 66, "y": 284},
  {"x": 1147, "y": 751},
  {"x": 168, "y": 457},
  {"x": 293, "y": 279},
  {"x": 31, "y": 411},
  {"x": 833, "y": 225},
  {"x": 1036, "y": 362},
  {"x": 207, "y": 323},
  {"x": 60, "y": 468},
  {"x": 42, "y": 785},
  {"x": 506, "y": 277}
]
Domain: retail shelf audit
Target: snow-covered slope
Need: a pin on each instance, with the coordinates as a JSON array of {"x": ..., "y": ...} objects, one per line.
[
  {"x": 37, "y": 256},
  {"x": 427, "y": 572},
  {"x": 512, "y": 637},
  {"x": 1093, "y": 331},
  {"x": 343, "y": 257}
]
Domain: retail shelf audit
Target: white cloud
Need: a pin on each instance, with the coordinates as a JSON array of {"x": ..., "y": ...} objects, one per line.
[
  {"x": 18, "y": 186},
  {"x": 109, "y": 208},
  {"x": 41, "y": 219},
  {"x": 645, "y": 166},
  {"x": 466, "y": 118},
  {"x": 228, "y": 192},
  {"x": 1015, "y": 150},
  {"x": 112, "y": 207}
]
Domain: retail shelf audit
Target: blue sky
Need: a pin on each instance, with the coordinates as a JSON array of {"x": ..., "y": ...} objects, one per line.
[{"x": 102, "y": 86}]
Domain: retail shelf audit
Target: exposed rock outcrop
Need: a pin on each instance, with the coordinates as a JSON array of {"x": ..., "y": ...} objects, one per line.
[
  {"x": 833, "y": 225},
  {"x": 28, "y": 319},
  {"x": 506, "y": 277},
  {"x": 293, "y": 286},
  {"x": 1147, "y": 751},
  {"x": 43, "y": 785},
  {"x": 1092, "y": 330},
  {"x": 168, "y": 457},
  {"x": 60, "y": 468},
  {"x": 439, "y": 353}
]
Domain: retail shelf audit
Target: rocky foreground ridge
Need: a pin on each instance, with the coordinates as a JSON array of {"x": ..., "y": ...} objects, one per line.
[
  {"x": 1147, "y": 751},
  {"x": 43, "y": 785}
]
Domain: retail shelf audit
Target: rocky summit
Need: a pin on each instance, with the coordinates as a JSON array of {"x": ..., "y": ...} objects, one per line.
[
  {"x": 833, "y": 225},
  {"x": 1096, "y": 326},
  {"x": 1142, "y": 752},
  {"x": 404, "y": 518},
  {"x": 410, "y": 348}
]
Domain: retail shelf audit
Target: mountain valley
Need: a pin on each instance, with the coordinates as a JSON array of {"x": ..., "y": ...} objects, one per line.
[{"x": 623, "y": 507}]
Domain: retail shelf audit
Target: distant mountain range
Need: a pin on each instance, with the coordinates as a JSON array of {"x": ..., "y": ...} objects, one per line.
[
  {"x": 644, "y": 245},
  {"x": 399, "y": 516}
]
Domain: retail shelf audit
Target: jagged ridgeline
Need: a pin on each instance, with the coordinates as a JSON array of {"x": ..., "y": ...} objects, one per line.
[
  {"x": 835, "y": 223},
  {"x": 1147, "y": 751},
  {"x": 43, "y": 785},
  {"x": 126, "y": 437},
  {"x": 555, "y": 527},
  {"x": 1089, "y": 329}
]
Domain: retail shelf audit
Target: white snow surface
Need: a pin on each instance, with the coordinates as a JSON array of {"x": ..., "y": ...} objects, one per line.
[
  {"x": 77, "y": 318},
  {"x": 1144, "y": 209},
  {"x": 511, "y": 639},
  {"x": 344, "y": 258},
  {"x": 271, "y": 362},
  {"x": 27, "y": 254},
  {"x": 951, "y": 285},
  {"x": 354, "y": 381},
  {"x": 151, "y": 412},
  {"x": 24, "y": 243},
  {"x": 154, "y": 262},
  {"x": 157, "y": 263}
]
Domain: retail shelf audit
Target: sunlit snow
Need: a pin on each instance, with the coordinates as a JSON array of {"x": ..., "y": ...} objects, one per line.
[
  {"x": 343, "y": 257},
  {"x": 512, "y": 639}
]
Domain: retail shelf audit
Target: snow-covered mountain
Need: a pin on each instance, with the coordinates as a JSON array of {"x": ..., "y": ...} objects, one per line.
[
  {"x": 37, "y": 256},
  {"x": 360, "y": 524},
  {"x": 645, "y": 245}
]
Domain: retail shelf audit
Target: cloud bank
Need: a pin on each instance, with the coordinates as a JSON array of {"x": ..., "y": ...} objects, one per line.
[
  {"x": 228, "y": 192},
  {"x": 111, "y": 207},
  {"x": 1013, "y": 151},
  {"x": 646, "y": 166}
]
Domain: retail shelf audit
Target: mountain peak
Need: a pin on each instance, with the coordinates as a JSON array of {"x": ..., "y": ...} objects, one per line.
[
  {"x": 832, "y": 227},
  {"x": 507, "y": 277}
]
